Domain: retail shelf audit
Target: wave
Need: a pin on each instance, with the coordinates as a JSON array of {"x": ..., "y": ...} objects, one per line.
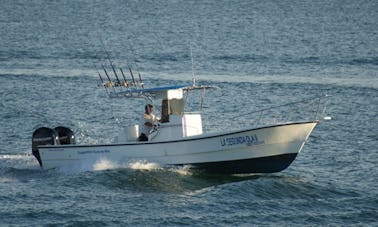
[
  {"x": 22, "y": 161},
  {"x": 18, "y": 168},
  {"x": 364, "y": 61},
  {"x": 305, "y": 60},
  {"x": 332, "y": 61},
  {"x": 295, "y": 78},
  {"x": 241, "y": 58},
  {"x": 75, "y": 54},
  {"x": 106, "y": 164},
  {"x": 167, "y": 57}
]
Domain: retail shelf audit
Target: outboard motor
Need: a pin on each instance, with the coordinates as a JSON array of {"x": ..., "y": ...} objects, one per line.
[
  {"x": 43, "y": 136},
  {"x": 65, "y": 135}
]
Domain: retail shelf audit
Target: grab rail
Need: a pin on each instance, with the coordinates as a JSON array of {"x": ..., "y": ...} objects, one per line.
[{"x": 309, "y": 109}]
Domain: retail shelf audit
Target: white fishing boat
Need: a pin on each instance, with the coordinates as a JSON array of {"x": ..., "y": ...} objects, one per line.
[{"x": 178, "y": 139}]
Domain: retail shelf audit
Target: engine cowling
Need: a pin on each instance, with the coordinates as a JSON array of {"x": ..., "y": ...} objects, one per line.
[
  {"x": 43, "y": 136},
  {"x": 47, "y": 136},
  {"x": 65, "y": 135}
]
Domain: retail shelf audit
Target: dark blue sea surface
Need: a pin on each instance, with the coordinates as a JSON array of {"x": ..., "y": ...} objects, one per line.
[{"x": 260, "y": 53}]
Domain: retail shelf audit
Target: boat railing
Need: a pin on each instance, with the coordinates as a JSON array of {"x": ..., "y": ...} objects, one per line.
[{"x": 310, "y": 109}]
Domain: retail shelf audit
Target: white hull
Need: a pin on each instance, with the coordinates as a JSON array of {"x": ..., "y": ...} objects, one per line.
[{"x": 254, "y": 150}]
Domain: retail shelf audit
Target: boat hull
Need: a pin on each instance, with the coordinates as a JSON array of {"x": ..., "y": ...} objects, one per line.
[
  {"x": 255, "y": 150},
  {"x": 270, "y": 164}
]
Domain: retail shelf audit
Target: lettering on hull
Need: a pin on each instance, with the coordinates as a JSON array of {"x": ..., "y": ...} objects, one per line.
[
  {"x": 249, "y": 140},
  {"x": 94, "y": 151}
]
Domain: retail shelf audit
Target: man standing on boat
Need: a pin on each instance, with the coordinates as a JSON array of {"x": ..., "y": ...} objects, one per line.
[{"x": 147, "y": 122}]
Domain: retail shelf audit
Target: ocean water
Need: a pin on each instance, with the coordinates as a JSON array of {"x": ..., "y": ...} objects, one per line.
[{"x": 260, "y": 53}]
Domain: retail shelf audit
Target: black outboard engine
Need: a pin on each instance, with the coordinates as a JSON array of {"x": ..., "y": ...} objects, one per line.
[
  {"x": 43, "y": 136},
  {"x": 65, "y": 135}
]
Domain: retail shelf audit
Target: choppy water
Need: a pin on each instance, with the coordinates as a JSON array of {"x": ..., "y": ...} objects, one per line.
[{"x": 261, "y": 53}]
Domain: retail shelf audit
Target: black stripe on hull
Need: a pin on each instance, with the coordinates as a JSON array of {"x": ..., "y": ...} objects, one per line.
[{"x": 272, "y": 164}]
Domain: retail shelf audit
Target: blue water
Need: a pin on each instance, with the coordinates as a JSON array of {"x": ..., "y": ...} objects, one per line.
[{"x": 261, "y": 53}]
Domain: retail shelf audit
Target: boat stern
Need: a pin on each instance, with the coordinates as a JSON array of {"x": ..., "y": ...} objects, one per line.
[{"x": 47, "y": 136}]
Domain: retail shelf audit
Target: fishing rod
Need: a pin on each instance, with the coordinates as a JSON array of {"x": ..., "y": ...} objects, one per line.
[
  {"x": 102, "y": 80},
  {"x": 125, "y": 84},
  {"x": 140, "y": 79},
  {"x": 141, "y": 84},
  {"x": 110, "y": 62},
  {"x": 131, "y": 72},
  {"x": 110, "y": 84},
  {"x": 124, "y": 78}
]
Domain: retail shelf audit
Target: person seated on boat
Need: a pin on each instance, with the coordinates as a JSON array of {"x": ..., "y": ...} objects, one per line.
[{"x": 147, "y": 123}]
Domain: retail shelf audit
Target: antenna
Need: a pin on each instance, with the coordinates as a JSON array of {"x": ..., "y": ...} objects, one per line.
[{"x": 191, "y": 56}]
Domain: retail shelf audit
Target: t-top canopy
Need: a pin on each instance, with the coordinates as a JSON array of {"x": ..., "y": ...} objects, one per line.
[{"x": 156, "y": 91}]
